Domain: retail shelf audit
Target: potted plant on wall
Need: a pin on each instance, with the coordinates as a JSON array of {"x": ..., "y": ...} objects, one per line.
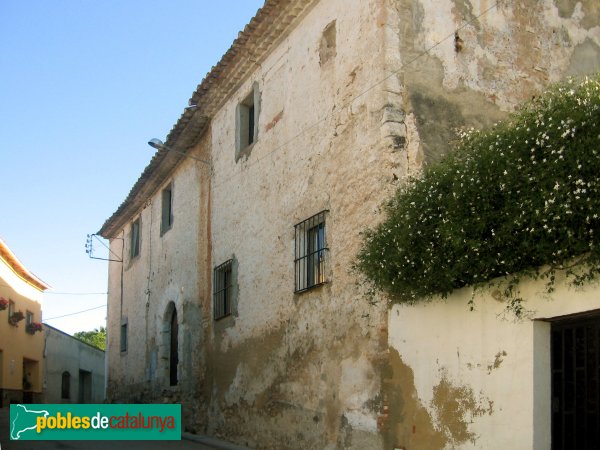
[
  {"x": 16, "y": 317},
  {"x": 32, "y": 327},
  {"x": 3, "y": 303}
]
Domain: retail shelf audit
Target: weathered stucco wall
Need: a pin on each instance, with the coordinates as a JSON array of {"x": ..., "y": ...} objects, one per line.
[
  {"x": 460, "y": 379},
  {"x": 166, "y": 270},
  {"x": 300, "y": 370},
  {"x": 480, "y": 379},
  {"x": 466, "y": 63}
]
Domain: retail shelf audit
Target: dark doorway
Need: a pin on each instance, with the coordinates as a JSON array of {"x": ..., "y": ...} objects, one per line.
[
  {"x": 174, "y": 349},
  {"x": 575, "y": 361},
  {"x": 85, "y": 386},
  {"x": 65, "y": 388}
]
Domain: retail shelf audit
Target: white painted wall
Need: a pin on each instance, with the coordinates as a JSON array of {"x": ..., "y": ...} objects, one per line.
[
  {"x": 66, "y": 353},
  {"x": 499, "y": 358}
]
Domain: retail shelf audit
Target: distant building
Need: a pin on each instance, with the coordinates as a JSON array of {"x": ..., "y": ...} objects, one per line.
[
  {"x": 236, "y": 296},
  {"x": 21, "y": 337},
  {"x": 73, "y": 369}
]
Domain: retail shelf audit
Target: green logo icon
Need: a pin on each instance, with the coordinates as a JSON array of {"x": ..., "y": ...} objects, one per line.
[{"x": 95, "y": 422}]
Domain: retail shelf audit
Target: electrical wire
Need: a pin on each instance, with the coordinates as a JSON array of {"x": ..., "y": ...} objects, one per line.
[
  {"x": 75, "y": 293},
  {"x": 75, "y": 313}
]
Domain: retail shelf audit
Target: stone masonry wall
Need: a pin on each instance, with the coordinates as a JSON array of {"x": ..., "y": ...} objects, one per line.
[
  {"x": 292, "y": 370},
  {"x": 166, "y": 271}
]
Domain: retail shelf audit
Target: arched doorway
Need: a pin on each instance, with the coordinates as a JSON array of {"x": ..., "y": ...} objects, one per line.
[{"x": 173, "y": 347}]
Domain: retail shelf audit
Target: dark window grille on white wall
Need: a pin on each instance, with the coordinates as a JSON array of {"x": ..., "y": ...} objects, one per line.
[
  {"x": 223, "y": 289},
  {"x": 310, "y": 252}
]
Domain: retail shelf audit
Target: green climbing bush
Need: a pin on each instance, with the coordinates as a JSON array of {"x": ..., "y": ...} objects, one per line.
[{"x": 521, "y": 199}]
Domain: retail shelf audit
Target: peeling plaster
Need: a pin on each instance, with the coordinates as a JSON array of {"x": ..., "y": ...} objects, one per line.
[{"x": 455, "y": 406}]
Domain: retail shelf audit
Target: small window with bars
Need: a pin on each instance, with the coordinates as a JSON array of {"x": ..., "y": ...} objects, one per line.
[
  {"x": 310, "y": 253},
  {"x": 223, "y": 289}
]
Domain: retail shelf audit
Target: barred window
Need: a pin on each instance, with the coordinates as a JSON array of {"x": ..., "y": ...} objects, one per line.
[
  {"x": 310, "y": 252},
  {"x": 166, "y": 219},
  {"x": 223, "y": 289}
]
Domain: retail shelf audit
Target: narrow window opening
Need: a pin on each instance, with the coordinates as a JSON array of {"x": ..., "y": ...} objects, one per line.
[
  {"x": 124, "y": 336},
  {"x": 251, "y": 124},
  {"x": 135, "y": 238},
  {"x": 247, "y": 115},
  {"x": 167, "y": 209}
]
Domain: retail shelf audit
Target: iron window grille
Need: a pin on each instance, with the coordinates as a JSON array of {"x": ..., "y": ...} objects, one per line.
[
  {"x": 223, "y": 288},
  {"x": 310, "y": 253}
]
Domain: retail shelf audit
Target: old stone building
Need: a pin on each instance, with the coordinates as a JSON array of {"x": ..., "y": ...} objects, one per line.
[{"x": 236, "y": 294}]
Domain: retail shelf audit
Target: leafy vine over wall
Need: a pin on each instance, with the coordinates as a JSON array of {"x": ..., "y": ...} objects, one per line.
[{"x": 520, "y": 200}]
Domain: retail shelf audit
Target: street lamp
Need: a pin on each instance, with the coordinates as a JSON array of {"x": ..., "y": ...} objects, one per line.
[{"x": 160, "y": 145}]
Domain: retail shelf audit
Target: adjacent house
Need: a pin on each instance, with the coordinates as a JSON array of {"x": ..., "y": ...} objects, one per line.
[
  {"x": 73, "y": 369},
  {"x": 21, "y": 337},
  {"x": 236, "y": 296}
]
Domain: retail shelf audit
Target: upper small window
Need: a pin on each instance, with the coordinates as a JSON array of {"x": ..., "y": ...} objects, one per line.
[
  {"x": 135, "y": 238},
  {"x": 247, "y": 123},
  {"x": 310, "y": 252},
  {"x": 167, "y": 209},
  {"x": 223, "y": 289}
]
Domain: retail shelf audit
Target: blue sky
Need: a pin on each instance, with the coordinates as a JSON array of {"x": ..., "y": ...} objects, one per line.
[{"x": 83, "y": 86}]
